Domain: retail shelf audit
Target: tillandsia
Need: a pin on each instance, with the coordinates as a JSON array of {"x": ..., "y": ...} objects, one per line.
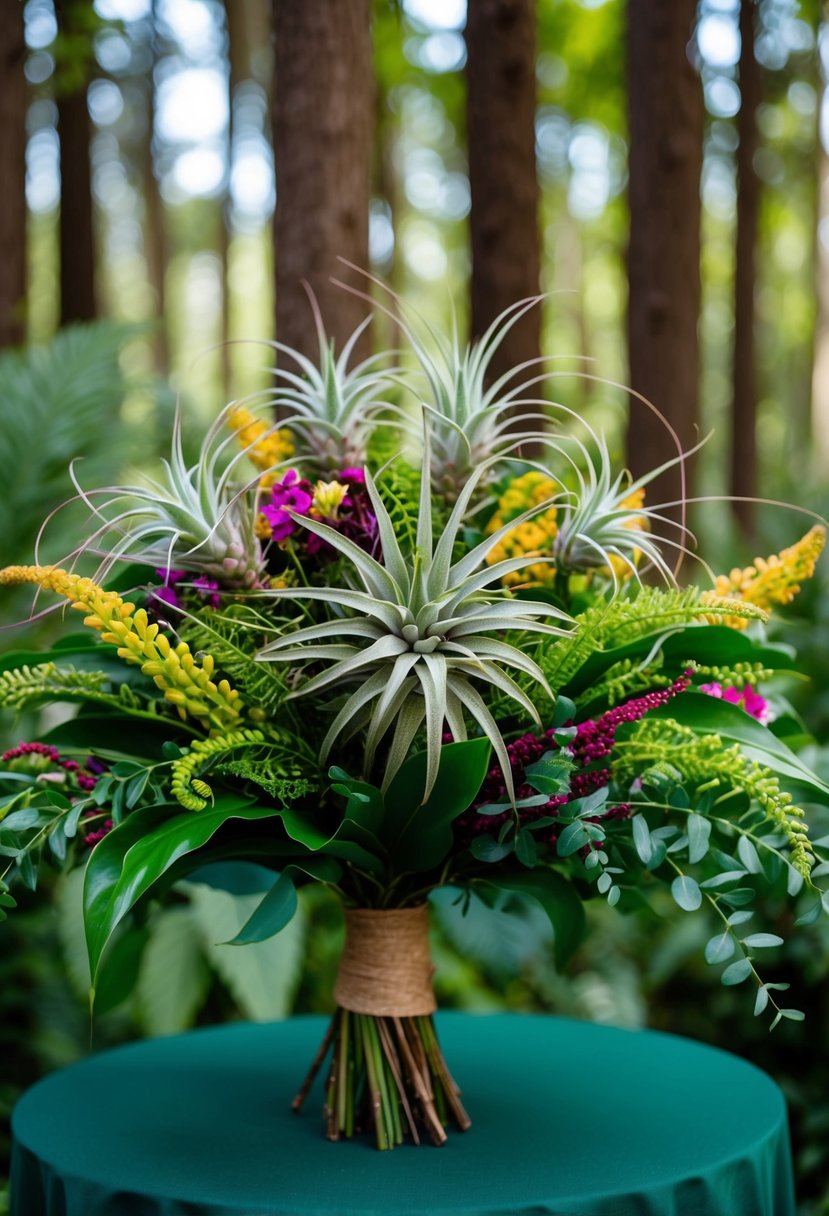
[{"x": 367, "y": 643}]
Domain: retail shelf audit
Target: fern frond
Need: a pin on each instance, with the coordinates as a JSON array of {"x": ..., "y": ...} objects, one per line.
[
  {"x": 627, "y": 618},
  {"x": 25, "y": 687},
  {"x": 274, "y": 763},
  {"x": 670, "y": 747},
  {"x": 233, "y": 637}
]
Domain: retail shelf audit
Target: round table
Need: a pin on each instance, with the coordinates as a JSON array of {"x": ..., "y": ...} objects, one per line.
[{"x": 569, "y": 1119}]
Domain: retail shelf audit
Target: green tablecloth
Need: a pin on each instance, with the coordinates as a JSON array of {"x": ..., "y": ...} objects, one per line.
[{"x": 568, "y": 1118}]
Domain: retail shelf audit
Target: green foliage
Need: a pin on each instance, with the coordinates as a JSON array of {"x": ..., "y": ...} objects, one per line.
[
  {"x": 27, "y": 687},
  {"x": 628, "y": 618},
  {"x": 128, "y": 862},
  {"x": 233, "y": 637},
  {"x": 279, "y": 764},
  {"x": 59, "y": 400}
]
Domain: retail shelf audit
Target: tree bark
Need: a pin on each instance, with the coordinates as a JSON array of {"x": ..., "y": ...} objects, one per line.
[
  {"x": 12, "y": 175},
  {"x": 76, "y": 228},
  {"x": 820, "y": 358},
  {"x": 323, "y": 111},
  {"x": 666, "y": 126},
  {"x": 504, "y": 221},
  {"x": 155, "y": 236},
  {"x": 743, "y": 483}
]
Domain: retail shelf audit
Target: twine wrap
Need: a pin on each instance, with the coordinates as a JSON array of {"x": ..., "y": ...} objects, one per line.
[{"x": 386, "y": 968}]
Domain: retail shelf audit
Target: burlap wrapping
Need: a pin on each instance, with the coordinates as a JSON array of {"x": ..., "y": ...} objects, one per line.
[{"x": 386, "y": 969}]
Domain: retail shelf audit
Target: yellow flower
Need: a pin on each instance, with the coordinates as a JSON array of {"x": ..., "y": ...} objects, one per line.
[
  {"x": 328, "y": 498},
  {"x": 533, "y": 538},
  {"x": 185, "y": 681},
  {"x": 775, "y": 579},
  {"x": 264, "y": 446}
]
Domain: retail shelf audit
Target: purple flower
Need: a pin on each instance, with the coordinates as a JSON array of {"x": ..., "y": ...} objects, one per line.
[
  {"x": 290, "y": 494},
  {"x": 748, "y": 699}
]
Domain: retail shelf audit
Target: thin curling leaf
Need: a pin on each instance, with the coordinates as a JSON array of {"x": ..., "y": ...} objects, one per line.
[{"x": 424, "y": 635}]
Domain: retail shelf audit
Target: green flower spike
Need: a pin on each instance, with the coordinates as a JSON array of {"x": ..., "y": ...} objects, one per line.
[{"x": 424, "y": 632}]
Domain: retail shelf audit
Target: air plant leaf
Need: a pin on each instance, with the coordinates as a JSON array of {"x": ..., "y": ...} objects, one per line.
[{"x": 425, "y": 635}]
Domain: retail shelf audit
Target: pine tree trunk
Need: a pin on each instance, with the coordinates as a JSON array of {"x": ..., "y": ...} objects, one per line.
[
  {"x": 12, "y": 175},
  {"x": 77, "y": 237},
  {"x": 666, "y": 125},
  {"x": 743, "y": 483},
  {"x": 323, "y": 111},
  {"x": 504, "y": 221}
]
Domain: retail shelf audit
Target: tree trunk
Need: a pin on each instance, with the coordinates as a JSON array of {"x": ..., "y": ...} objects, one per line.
[
  {"x": 155, "y": 236},
  {"x": 12, "y": 175},
  {"x": 77, "y": 237},
  {"x": 743, "y": 482},
  {"x": 820, "y": 364},
  {"x": 504, "y": 222},
  {"x": 666, "y": 124},
  {"x": 322, "y": 150}
]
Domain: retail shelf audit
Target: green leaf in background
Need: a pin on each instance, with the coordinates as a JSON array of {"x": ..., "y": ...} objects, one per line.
[
  {"x": 556, "y": 896},
  {"x": 174, "y": 976},
  {"x": 127, "y": 862},
  {"x": 418, "y": 834},
  {"x": 262, "y": 978},
  {"x": 272, "y": 914}
]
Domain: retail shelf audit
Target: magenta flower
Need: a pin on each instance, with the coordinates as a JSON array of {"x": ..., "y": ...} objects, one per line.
[
  {"x": 292, "y": 493},
  {"x": 748, "y": 699}
]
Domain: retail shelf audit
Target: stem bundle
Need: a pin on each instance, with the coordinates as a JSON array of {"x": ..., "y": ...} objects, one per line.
[{"x": 388, "y": 1075}]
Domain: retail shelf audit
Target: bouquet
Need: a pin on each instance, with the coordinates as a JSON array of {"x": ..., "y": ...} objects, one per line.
[{"x": 402, "y": 627}]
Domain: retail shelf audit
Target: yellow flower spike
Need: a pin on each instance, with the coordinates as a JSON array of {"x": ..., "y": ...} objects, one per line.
[
  {"x": 184, "y": 682},
  {"x": 775, "y": 579},
  {"x": 264, "y": 447}
]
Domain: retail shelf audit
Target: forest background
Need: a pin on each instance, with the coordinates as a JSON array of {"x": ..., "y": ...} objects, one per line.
[{"x": 172, "y": 170}]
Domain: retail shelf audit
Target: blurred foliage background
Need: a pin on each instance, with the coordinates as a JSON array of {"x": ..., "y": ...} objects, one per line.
[{"x": 176, "y": 142}]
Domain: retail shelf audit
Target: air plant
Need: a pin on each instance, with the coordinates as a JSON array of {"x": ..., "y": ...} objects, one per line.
[
  {"x": 331, "y": 409},
  {"x": 193, "y": 518},
  {"x": 424, "y": 630}
]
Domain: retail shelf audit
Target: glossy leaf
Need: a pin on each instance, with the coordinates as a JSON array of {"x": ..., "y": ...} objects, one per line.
[
  {"x": 418, "y": 834},
  {"x": 133, "y": 857}
]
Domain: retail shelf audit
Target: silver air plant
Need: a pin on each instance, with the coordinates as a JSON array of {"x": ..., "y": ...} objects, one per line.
[
  {"x": 330, "y": 408},
  {"x": 192, "y": 517},
  {"x": 418, "y": 635}
]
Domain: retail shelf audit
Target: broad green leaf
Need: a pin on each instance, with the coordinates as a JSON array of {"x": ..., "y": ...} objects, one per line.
[
  {"x": 418, "y": 834},
  {"x": 119, "y": 970},
  {"x": 550, "y": 775},
  {"x": 280, "y": 903},
  {"x": 308, "y": 831},
  {"x": 133, "y": 857},
  {"x": 557, "y": 896},
  {"x": 686, "y": 892}
]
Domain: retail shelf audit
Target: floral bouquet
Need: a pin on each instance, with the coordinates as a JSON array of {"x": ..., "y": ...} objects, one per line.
[{"x": 416, "y": 633}]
